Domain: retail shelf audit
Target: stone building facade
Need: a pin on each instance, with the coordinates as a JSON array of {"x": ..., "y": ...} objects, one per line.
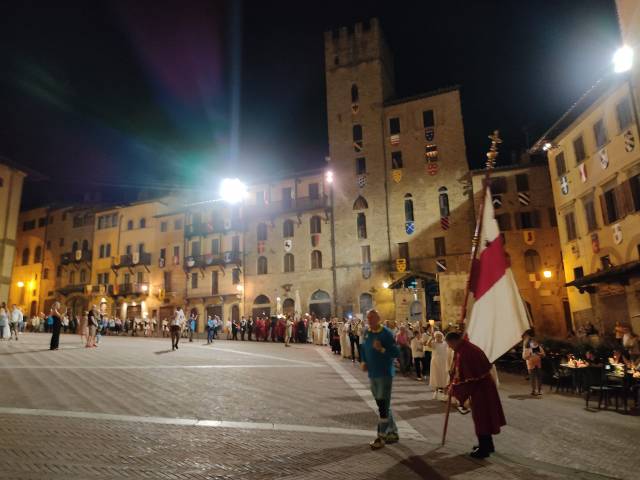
[
  {"x": 523, "y": 202},
  {"x": 401, "y": 188}
]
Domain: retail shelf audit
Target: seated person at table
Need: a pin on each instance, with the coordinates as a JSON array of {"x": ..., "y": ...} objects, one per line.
[
  {"x": 592, "y": 359},
  {"x": 620, "y": 357}
]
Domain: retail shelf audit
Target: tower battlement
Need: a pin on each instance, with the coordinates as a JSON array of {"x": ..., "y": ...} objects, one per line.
[{"x": 350, "y": 45}]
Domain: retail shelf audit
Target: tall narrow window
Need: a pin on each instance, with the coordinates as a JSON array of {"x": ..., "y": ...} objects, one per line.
[
  {"x": 214, "y": 282},
  {"x": 139, "y": 278},
  {"x": 130, "y": 225},
  {"x": 578, "y": 149},
  {"x": 600, "y": 133},
  {"x": 623, "y": 112},
  {"x": 287, "y": 229},
  {"x": 316, "y": 259},
  {"x": 194, "y": 280},
  {"x": 235, "y": 276},
  {"x": 532, "y": 262},
  {"x": 561, "y": 167},
  {"x": 361, "y": 225},
  {"x": 408, "y": 208},
  {"x": 83, "y": 276},
  {"x": 394, "y": 126},
  {"x": 396, "y": 160},
  {"x": 107, "y": 250},
  {"x": 522, "y": 182},
  {"x": 553, "y": 219},
  {"x": 427, "y": 118},
  {"x": 590, "y": 214},
  {"x": 610, "y": 206},
  {"x": 37, "y": 255},
  {"x": 262, "y": 232},
  {"x": 570, "y": 223},
  {"x": 355, "y": 97},
  {"x": 314, "y": 191},
  {"x": 440, "y": 246},
  {"x": 235, "y": 244},
  {"x": 287, "y": 197},
  {"x": 361, "y": 166},
  {"x": 357, "y": 138},
  {"x": 289, "y": 265},
  {"x": 167, "y": 282},
  {"x": 25, "y": 256},
  {"x": 262, "y": 265},
  {"x": 127, "y": 279},
  {"x": 365, "y": 252},
  {"x": 195, "y": 249},
  {"x": 315, "y": 224},
  {"x": 128, "y": 250},
  {"x": 443, "y": 201},
  {"x": 215, "y": 246},
  {"x": 74, "y": 246},
  {"x": 143, "y": 223}
]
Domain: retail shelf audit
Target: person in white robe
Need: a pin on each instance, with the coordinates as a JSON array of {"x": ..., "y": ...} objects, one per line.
[
  {"x": 325, "y": 332},
  {"x": 441, "y": 356}
]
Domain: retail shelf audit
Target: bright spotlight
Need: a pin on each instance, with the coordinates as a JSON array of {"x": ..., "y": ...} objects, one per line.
[
  {"x": 547, "y": 274},
  {"x": 232, "y": 190},
  {"x": 547, "y": 146},
  {"x": 20, "y": 284},
  {"x": 329, "y": 176},
  {"x": 385, "y": 284},
  {"x": 623, "y": 59}
]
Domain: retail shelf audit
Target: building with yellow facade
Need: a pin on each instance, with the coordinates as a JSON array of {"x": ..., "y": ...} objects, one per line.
[{"x": 11, "y": 180}]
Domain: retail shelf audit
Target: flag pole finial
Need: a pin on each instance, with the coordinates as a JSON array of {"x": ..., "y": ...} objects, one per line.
[{"x": 492, "y": 154}]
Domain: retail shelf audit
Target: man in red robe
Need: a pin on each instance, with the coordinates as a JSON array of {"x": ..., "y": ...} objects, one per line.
[{"x": 472, "y": 381}]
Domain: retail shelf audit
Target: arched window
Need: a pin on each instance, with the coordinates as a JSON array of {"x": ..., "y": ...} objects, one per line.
[
  {"x": 143, "y": 222},
  {"x": 287, "y": 229},
  {"x": 130, "y": 225},
  {"x": 315, "y": 224},
  {"x": 74, "y": 246},
  {"x": 355, "y": 97},
  {"x": 443, "y": 201},
  {"x": 72, "y": 277},
  {"x": 83, "y": 276},
  {"x": 408, "y": 208},
  {"x": 85, "y": 245},
  {"x": 320, "y": 304},
  {"x": 25, "y": 256},
  {"x": 316, "y": 259},
  {"x": 357, "y": 138},
  {"x": 262, "y": 232},
  {"x": 261, "y": 306},
  {"x": 361, "y": 225},
  {"x": 262, "y": 265},
  {"x": 320, "y": 296},
  {"x": 360, "y": 203},
  {"x": 262, "y": 300},
  {"x": 289, "y": 265},
  {"x": 37, "y": 255},
  {"x": 532, "y": 262}
]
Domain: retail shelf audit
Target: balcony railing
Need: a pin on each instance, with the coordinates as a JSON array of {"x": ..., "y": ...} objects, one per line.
[
  {"x": 202, "y": 229},
  {"x": 203, "y": 261},
  {"x": 297, "y": 205},
  {"x": 133, "y": 260},
  {"x": 132, "y": 288},
  {"x": 75, "y": 257},
  {"x": 74, "y": 288},
  {"x": 102, "y": 289}
]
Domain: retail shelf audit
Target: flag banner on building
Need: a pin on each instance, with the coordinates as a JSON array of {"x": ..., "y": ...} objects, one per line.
[
  {"x": 429, "y": 134},
  {"x": 529, "y": 236},
  {"x": 161, "y": 262},
  {"x": 394, "y": 139},
  {"x": 78, "y": 255},
  {"x": 208, "y": 259},
  {"x": 227, "y": 224},
  {"x": 498, "y": 317},
  {"x": 315, "y": 239},
  {"x": 288, "y": 245},
  {"x": 629, "y": 141},
  {"x": 227, "y": 257},
  {"x": 261, "y": 245},
  {"x": 524, "y": 198},
  {"x": 354, "y": 108},
  {"x": 396, "y": 174},
  {"x": 401, "y": 264},
  {"x": 431, "y": 152},
  {"x": 362, "y": 181},
  {"x": 604, "y": 158},
  {"x": 191, "y": 262},
  {"x": 617, "y": 233},
  {"x": 496, "y": 199},
  {"x": 135, "y": 258},
  {"x": 432, "y": 168},
  {"x": 409, "y": 227},
  {"x": 582, "y": 168},
  {"x": 564, "y": 185},
  {"x": 357, "y": 146},
  {"x": 595, "y": 243},
  {"x": 444, "y": 223},
  {"x": 366, "y": 271},
  {"x": 176, "y": 260}
]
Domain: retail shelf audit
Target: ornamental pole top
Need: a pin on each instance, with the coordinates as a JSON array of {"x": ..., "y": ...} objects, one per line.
[{"x": 492, "y": 154}]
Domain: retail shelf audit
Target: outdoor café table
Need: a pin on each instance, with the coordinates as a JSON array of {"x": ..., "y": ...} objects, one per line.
[{"x": 577, "y": 375}]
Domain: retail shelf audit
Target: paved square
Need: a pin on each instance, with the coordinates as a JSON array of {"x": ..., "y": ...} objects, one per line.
[{"x": 244, "y": 410}]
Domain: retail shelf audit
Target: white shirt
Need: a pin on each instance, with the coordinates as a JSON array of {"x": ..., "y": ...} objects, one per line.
[
  {"x": 16, "y": 316},
  {"x": 178, "y": 318}
]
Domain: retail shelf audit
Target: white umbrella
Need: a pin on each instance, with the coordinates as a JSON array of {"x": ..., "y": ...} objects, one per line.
[{"x": 298, "y": 307}]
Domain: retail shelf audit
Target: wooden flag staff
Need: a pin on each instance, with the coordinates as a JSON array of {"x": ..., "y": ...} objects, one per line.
[{"x": 492, "y": 155}]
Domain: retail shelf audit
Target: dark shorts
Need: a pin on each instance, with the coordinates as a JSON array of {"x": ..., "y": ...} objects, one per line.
[{"x": 175, "y": 328}]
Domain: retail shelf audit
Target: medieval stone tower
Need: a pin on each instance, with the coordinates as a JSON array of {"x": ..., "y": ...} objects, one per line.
[{"x": 401, "y": 201}]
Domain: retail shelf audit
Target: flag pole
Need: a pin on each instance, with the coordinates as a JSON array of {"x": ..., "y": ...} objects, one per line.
[{"x": 492, "y": 155}]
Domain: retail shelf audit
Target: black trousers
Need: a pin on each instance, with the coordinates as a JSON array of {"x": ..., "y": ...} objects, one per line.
[
  {"x": 55, "y": 334},
  {"x": 485, "y": 443},
  {"x": 355, "y": 345},
  {"x": 419, "y": 364}
]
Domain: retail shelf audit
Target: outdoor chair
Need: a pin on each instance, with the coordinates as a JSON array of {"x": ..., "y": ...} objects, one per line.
[
  {"x": 622, "y": 389},
  {"x": 596, "y": 379},
  {"x": 562, "y": 378}
]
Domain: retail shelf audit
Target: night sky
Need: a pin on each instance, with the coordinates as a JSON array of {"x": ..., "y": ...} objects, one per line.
[{"x": 122, "y": 97}]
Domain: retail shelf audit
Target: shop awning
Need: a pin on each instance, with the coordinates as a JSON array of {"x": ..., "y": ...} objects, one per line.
[
  {"x": 409, "y": 276},
  {"x": 618, "y": 274}
]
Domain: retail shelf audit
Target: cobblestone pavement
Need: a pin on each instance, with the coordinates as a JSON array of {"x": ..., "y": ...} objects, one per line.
[{"x": 241, "y": 410}]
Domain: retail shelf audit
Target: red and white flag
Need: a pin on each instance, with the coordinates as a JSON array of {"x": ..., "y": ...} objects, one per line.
[
  {"x": 498, "y": 316},
  {"x": 582, "y": 168}
]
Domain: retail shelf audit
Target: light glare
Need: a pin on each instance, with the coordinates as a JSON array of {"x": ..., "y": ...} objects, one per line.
[
  {"x": 547, "y": 274},
  {"x": 623, "y": 59},
  {"x": 232, "y": 190},
  {"x": 329, "y": 176}
]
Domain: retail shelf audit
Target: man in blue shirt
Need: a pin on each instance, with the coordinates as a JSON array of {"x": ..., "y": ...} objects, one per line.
[{"x": 379, "y": 350}]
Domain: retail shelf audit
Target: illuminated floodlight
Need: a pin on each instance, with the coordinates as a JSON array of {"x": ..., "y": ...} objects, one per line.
[
  {"x": 623, "y": 59},
  {"x": 547, "y": 146},
  {"x": 546, "y": 274},
  {"x": 232, "y": 190},
  {"x": 144, "y": 288},
  {"x": 328, "y": 176},
  {"x": 385, "y": 284},
  {"x": 20, "y": 284}
]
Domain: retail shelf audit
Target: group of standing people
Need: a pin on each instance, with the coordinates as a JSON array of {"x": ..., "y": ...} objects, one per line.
[{"x": 11, "y": 322}]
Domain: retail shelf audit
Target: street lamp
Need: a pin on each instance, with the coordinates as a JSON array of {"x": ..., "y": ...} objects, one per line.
[
  {"x": 232, "y": 190},
  {"x": 20, "y": 284},
  {"x": 623, "y": 59},
  {"x": 385, "y": 284},
  {"x": 546, "y": 274},
  {"x": 328, "y": 176}
]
